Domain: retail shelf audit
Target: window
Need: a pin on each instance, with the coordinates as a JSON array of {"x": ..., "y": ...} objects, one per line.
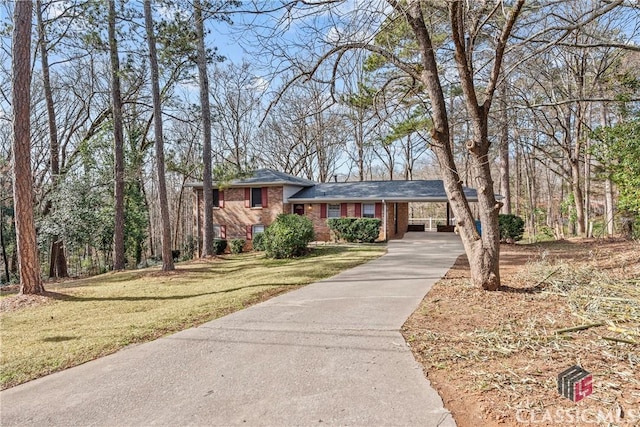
[
  {"x": 368, "y": 210},
  {"x": 256, "y": 197},
  {"x": 217, "y": 231},
  {"x": 216, "y": 198},
  {"x": 333, "y": 210},
  {"x": 253, "y": 229}
]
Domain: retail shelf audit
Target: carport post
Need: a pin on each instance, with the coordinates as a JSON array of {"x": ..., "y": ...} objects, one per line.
[{"x": 448, "y": 214}]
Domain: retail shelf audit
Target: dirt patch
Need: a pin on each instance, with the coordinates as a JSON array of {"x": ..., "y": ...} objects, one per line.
[
  {"x": 18, "y": 302},
  {"x": 494, "y": 356}
]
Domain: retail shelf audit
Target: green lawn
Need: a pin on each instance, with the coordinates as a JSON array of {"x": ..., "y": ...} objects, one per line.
[{"x": 89, "y": 318}]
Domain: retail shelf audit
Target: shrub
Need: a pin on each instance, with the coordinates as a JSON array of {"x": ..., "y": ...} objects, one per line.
[
  {"x": 258, "y": 242},
  {"x": 288, "y": 236},
  {"x": 219, "y": 245},
  {"x": 237, "y": 245},
  {"x": 511, "y": 228},
  {"x": 355, "y": 229},
  {"x": 341, "y": 227}
]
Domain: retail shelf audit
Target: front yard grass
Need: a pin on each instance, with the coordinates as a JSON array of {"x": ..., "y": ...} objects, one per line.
[{"x": 80, "y": 320}]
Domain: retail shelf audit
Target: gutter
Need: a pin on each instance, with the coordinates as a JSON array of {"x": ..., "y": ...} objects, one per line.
[{"x": 374, "y": 199}]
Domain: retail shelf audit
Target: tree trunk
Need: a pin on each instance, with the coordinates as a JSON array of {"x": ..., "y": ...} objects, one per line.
[
  {"x": 576, "y": 188},
  {"x": 207, "y": 185},
  {"x": 608, "y": 184},
  {"x": 3, "y": 245},
  {"x": 609, "y": 212},
  {"x": 483, "y": 251},
  {"x": 30, "y": 280},
  {"x": 118, "y": 138},
  {"x": 167, "y": 256},
  {"x": 505, "y": 188},
  {"x": 57, "y": 261},
  {"x": 359, "y": 137},
  {"x": 587, "y": 189}
]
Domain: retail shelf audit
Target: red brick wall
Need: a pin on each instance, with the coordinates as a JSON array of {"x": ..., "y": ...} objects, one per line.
[
  {"x": 323, "y": 233},
  {"x": 403, "y": 220},
  {"x": 234, "y": 216},
  {"x": 319, "y": 224}
]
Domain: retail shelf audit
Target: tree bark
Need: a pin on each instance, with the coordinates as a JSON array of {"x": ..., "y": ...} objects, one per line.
[
  {"x": 167, "y": 256},
  {"x": 483, "y": 251},
  {"x": 207, "y": 185},
  {"x": 3, "y": 245},
  {"x": 57, "y": 259},
  {"x": 505, "y": 187},
  {"x": 118, "y": 138},
  {"x": 30, "y": 280},
  {"x": 608, "y": 185}
]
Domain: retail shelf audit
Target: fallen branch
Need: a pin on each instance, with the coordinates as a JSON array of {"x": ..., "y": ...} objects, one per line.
[
  {"x": 547, "y": 278},
  {"x": 579, "y": 328},
  {"x": 620, "y": 340}
]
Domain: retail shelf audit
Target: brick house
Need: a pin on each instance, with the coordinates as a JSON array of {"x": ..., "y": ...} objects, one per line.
[{"x": 246, "y": 206}]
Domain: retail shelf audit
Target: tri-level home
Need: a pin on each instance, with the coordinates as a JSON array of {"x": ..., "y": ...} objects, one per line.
[{"x": 244, "y": 207}]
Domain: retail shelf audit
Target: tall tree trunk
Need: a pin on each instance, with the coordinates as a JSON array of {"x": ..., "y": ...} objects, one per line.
[
  {"x": 359, "y": 137},
  {"x": 587, "y": 190},
  {"x": 608, "y": 184},
  {"x": 3, "y": 245},
  {"x": 518, "y": 182},
  {"x": 118, "y": 138},
  {"x": 57, "y": 259},
  {"x": 608, "y": 203},
  {"x": 30, "y": 280},
  {"x": 483, "y": 251},
  {"x": 207, "y": 185},
  {"x": 505, "y": 188},
  {"x": 167, "y": 256},
  {"x": 577, "y": 195}
]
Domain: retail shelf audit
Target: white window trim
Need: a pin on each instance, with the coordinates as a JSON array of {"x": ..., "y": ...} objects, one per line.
[
  {"x": 251, "y": 198},
  {"x": 329, "y": 210},
  {"x": 373, "y": 213}
]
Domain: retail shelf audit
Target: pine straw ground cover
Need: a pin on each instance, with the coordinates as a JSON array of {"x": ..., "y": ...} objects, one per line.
[{"x": 494, "y": 357}]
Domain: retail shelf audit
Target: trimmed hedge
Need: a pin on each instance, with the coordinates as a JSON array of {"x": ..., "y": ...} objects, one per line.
[
  {"x": 237, "y": 245},
  {"x": 288, "y": 236},
  {"x": 511, "y": 228},
  {"x": 352, "y": 230},
  {"x": 219, "y": 245}
]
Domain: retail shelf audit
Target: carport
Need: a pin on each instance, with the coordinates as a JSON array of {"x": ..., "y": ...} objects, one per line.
[{"x": 392, "y": 198}]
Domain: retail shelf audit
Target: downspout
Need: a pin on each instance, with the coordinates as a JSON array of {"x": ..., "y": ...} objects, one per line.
[{"x": 384, "y": 219}]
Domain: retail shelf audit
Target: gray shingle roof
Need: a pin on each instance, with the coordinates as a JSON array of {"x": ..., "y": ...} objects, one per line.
[
  {"x": 269, "y": 176},
  {"x": 263, "y": 177},
  {"x": 405, "y": 191},
  {"x": 417, "y": 191}
]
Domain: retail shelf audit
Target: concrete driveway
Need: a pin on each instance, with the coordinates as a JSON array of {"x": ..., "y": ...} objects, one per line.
[{"x": 329, "y": 353}]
